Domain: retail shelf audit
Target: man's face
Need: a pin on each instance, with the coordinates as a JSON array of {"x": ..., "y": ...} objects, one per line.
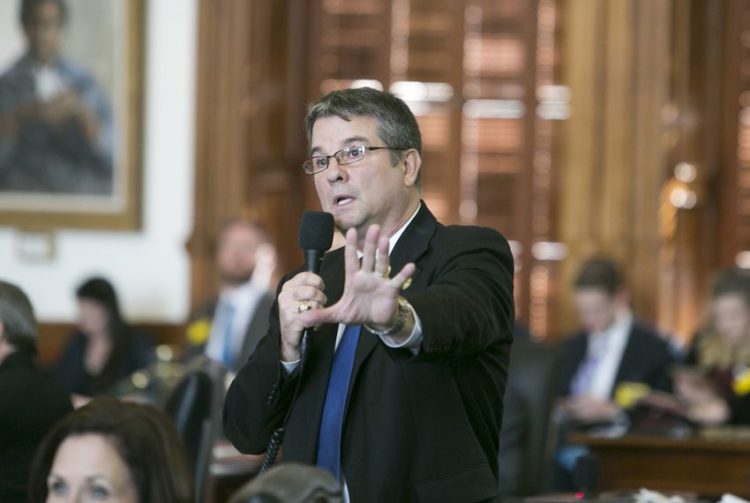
[
  {"x": 371, "y": 191},
  {"x": 43, "y": 31},
  {"x": 596, "y": 308},
  {"x": 235, "y": 258}
]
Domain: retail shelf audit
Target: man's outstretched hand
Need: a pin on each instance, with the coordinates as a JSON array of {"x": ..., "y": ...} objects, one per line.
[{"x": 370, "y": 296}]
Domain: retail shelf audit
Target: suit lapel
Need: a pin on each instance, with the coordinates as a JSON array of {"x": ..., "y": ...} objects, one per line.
[
  {"x": 256, "y": 328},
  {"x": 630, "y": 360}
]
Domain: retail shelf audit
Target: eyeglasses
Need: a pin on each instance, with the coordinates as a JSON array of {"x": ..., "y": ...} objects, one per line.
[{"x": 345, "y": 156}]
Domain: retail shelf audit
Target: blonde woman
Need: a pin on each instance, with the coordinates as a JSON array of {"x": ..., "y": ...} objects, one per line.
[{"x": 715, "y": 387}]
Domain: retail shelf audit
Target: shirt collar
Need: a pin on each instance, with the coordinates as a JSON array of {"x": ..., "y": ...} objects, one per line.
[
  {"x": 619, "y": 328},
  {"x": 396, "y": 235},
  {"x": 236, "y": 294}
]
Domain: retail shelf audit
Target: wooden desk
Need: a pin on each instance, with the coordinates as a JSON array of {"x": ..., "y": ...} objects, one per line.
[
  {"x": 228, "y": 471},
  {"x": 705, "y": 467}
]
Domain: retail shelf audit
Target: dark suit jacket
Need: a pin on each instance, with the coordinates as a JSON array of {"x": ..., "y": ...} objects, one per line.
[
  {"x": 72, "y": 373},
  {"x": 256, "y": 329},
  {"x": 30, "y": 403},
  {"x": 646, "y": 359},
  {"x": 419, "y": 428}
]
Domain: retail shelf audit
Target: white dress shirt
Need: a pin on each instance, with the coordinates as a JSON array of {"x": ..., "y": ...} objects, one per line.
[{"x": 609, "y": 346}]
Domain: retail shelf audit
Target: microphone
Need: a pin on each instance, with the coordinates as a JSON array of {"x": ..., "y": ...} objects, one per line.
[{"x": 315, "y": 238}]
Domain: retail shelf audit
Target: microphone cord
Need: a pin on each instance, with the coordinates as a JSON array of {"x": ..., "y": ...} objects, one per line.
[{"x": 277, "y": 437}]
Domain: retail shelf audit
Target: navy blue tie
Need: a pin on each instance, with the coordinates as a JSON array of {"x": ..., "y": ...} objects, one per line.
[{"x": 329, "y": 437}]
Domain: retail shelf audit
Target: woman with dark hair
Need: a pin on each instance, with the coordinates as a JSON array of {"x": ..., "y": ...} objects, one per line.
[
  {"x": 111, "y": 450},
  {"x": 104, "y": 349}
]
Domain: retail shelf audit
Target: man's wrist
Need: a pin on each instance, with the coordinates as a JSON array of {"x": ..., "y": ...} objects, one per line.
[
  {"x": 289, "y": 353},
  {"x": 404, "y": 319}
]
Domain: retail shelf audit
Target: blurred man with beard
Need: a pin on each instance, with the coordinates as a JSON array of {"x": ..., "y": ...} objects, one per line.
[{"x": 227, "y": 328}]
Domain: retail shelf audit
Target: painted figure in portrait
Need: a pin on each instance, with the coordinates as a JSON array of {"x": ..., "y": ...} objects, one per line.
[{"x": 56, "y": 124}]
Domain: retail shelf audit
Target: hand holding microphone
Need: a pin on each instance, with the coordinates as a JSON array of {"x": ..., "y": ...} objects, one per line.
[
  {"x": 305, "y": 290},
  {"x": 371, "y": 294},
  {"x": 371, "y": 291}
]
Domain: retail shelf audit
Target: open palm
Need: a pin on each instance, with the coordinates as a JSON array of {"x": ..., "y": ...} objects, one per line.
[{"x": 370, "y": 296}]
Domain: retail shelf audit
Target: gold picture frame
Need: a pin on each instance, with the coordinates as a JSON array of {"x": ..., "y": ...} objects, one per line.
[{"x": 94, "y": 182}]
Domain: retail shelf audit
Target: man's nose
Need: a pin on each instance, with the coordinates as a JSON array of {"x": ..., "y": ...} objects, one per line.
[{"x": 335, "y": 171}]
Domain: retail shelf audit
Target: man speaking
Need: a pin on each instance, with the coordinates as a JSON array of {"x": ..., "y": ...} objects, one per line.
[{"x": 399, "y": 390}]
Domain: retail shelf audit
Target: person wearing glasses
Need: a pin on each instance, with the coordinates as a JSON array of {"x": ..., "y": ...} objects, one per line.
[{"x": 399, "y": 392}]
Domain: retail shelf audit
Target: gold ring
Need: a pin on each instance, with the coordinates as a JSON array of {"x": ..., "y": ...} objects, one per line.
[
  {"x": 303, "y": 306},
  {"x": 384, "y": 274}
]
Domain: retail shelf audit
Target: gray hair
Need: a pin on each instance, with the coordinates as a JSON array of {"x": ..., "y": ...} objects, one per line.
[
  {"x": 397, "y": 126},
  {"x": 17, "y": 317}
]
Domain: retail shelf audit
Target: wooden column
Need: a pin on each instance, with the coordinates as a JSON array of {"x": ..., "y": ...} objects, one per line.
[
  {"x": 249, "y": 138},
  {"x": 616, "y": 64}
]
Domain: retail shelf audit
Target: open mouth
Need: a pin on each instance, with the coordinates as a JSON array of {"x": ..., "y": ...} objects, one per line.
[{"x": 342, "y": 200}]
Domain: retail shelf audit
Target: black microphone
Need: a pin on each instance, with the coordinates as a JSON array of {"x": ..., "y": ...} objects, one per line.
[{"x": 315, "y": 238}]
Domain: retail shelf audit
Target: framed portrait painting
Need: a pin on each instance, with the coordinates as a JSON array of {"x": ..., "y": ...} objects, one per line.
[{"x": 70, "y": 113}]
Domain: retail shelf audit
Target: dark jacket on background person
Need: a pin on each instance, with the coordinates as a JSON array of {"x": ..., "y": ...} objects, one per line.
[
  {"x": 30, "y": 403},
  {"x": 254, "y": 332},
  {"x": 70, "y": 369},
  {"x": 646, "y": 359}
]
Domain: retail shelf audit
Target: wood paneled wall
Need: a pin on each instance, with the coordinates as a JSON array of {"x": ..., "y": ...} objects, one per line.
[
  {"x": 249, "y": 139},
  {"x": 54, "y": 336},
  {"x": 644, "y": 78},
  {"x": 617, "y": 67}
]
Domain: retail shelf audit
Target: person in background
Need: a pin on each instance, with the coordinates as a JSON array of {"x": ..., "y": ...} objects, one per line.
[
  {"x": 715, "y": 387},
  {"x": 30, "y": 400},
  {"x": 104, "y": 348},
  {"x": 612, "y": 355},
  {"x": 56, "y": 127},
  {"x": 227, "y": 328},
  {"x": 112, "y": 451}
]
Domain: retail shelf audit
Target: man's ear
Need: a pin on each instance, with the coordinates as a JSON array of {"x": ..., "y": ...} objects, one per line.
[{"x": 412, "y": 164}]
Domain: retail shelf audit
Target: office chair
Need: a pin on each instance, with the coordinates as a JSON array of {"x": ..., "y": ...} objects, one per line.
[
  {"x": 190, "y": 405},
  {"x": 525, "y": 454},
  {"x": 290, "y": 483}
]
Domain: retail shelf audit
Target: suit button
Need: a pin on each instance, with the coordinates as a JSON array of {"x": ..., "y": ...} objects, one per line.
[{"x": 273, "y": 394}]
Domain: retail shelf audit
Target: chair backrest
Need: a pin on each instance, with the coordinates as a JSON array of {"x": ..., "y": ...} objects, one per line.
[
  {"x": 190, "y": 405},
  {"x": 525, "y": 454},
  {"x": 290, "y": 483}
]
